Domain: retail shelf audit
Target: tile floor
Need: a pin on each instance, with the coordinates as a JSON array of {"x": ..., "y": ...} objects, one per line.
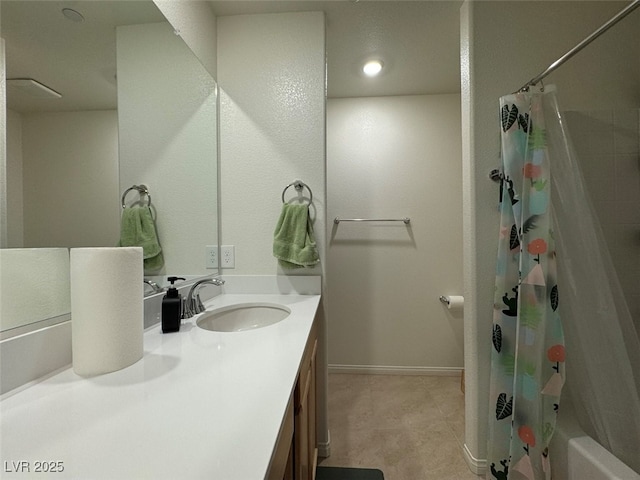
[{"x": 410, "y": 427}]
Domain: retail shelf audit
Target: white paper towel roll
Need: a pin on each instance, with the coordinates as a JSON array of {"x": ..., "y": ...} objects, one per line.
[
  {"x": 454, "y": 302},
  {"x": 106, "y": 308}
]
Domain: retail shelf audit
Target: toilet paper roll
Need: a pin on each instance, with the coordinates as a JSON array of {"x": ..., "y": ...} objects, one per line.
[
  {"x": 454, "y": 302},
  {"x": 106, "y": 308}
]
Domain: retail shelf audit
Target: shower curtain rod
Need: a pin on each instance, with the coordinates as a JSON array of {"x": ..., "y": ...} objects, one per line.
[{"x": 623, "y": 13}]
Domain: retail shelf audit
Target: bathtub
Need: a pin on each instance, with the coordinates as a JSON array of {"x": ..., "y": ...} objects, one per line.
[{"x": 577, "y": 456}]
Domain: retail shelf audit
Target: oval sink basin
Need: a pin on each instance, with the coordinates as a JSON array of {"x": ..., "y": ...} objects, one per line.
[{"x": 240, "y": 317}]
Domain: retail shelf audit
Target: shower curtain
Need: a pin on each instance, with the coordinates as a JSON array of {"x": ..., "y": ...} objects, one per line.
[
  {"x": 545, "y": 209},
  {"x": 528, "y": 354}
]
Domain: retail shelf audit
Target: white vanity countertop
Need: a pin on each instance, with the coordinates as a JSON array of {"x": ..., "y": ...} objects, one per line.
[{"x": 199, "y": 404}]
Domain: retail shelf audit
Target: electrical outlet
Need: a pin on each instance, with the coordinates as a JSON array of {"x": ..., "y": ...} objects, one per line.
[
  {"x": 228, "y": 256},
  {"x": 211, "y": 256}
]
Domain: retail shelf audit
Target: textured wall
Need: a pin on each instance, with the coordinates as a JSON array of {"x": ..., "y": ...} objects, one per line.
[
  {"x": 46, "y": 271},
  {"x": 393, "y": 157},
  {"x": 271, "y": 72}
]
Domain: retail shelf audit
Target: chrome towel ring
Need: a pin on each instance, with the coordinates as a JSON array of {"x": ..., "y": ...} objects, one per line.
[
  {"x": 298, "y": 185},
  {"x": 141, "y": 189}
]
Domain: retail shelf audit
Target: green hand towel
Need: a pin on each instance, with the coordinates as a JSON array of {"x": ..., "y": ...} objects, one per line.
[
  {"x": 137, "y": 229},
  {"x": 293, "y": 241}
]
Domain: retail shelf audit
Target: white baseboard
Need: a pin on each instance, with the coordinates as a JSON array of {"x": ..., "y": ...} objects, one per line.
[
  {"x": 476, "y": 465},
  {"x": 324, "y": 448},
  {"x": 392, "y": 370}
]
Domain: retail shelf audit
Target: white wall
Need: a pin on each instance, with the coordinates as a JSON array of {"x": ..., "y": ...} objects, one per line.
[
  {"x": 15, "y": 204},
  {"x": 3, "y": 153},
  {"x": 271, "y": 73},
  {"x": 393, "y": 157},
  {"x": 70, "y": 179},
  {"x": 167, "y": 120},
  {"x": 503, "y": 45},
  {"x": 46, "y": 271},
  {"x": 196, "y": 25}
]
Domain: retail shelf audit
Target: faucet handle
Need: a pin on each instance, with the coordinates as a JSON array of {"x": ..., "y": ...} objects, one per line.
[
  {"x": 199, "y": 307},
  {"x": 154, "y": 287},
  {"x": 188, "y": 307}
]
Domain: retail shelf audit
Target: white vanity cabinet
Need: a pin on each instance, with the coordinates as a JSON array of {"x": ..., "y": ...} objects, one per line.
[{"x": 194, "y": 393}]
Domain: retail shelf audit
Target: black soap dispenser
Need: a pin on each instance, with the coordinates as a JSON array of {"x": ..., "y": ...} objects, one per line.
[{"x": 171, "y": 308}]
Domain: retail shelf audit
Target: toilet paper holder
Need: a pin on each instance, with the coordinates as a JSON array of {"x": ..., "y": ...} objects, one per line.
[{"x": 452, "y": 302}]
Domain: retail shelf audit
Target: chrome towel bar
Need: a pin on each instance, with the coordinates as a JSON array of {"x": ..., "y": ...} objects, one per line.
[{"x": 406, "y": 220}]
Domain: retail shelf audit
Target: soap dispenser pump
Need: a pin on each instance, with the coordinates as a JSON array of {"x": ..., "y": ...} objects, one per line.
[{"x": 172, "y": 308}]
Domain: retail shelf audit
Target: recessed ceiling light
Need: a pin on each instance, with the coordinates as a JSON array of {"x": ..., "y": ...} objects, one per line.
[
  {"x": 73, "y": 15},
  {"x": 372, "y": 68}
]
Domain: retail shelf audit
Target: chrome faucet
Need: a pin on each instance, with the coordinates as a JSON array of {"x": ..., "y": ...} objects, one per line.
[
  {"x": 193, "y": 304},
  {"x": 156, "y": 288}
]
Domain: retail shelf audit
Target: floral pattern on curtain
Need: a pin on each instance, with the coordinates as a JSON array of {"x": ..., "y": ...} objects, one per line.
[{"x": 527, "y": 357}]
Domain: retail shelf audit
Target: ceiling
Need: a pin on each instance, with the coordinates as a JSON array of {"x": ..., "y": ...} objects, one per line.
[
  {"x": 417, "y": 40},
  {"x": 77, "y": 60}
]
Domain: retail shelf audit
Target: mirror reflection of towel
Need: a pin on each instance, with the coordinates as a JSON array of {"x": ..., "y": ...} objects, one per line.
[
  {"x": 137, "y": 229},
  {"x": 293, "y": 240}
]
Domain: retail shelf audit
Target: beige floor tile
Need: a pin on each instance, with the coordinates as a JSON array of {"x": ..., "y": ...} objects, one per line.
[
  {"x": 410, "y": 427},
  {"x": 352, "y": 448},
  {"x": 348, "y": 381},
  {"x": 407, "y": 410}
]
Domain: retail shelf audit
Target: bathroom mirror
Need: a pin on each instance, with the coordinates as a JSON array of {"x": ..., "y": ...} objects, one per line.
[{"x": 79, "y": 132}]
